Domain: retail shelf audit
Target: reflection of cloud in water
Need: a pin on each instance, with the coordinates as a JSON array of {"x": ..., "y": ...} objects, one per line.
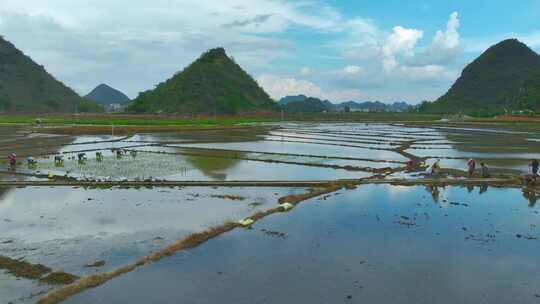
[
  {"x": 40, "y": 213},
  {"x": 397, "y": 191},
  {"x": 340, "y": 240},
  {"x": 105, "y": 220}
]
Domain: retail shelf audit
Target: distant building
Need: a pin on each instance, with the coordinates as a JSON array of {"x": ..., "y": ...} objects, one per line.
[{"x": 115, "y": 107}]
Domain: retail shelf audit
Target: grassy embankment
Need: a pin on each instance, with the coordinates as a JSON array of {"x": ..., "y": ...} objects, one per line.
[
  {"x": 124, "y": 123},
  {"x": 170, "y": 120}
]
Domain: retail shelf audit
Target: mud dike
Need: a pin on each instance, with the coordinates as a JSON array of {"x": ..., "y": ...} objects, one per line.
[{"x": 308, "y": 183}]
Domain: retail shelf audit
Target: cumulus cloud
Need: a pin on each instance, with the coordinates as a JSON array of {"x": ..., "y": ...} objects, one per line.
[
  {"x": 279, "y": 87},
  {"x": 402, "y": 60},
  {"x": 86, "y": 43},
  {"x": 401, "y": 42},
  {"x": 306, "y": 71},
  {"x": 450, "y": 38},
  {"x": 352, "y": 70},
  {"x": 445, "y": 47}
]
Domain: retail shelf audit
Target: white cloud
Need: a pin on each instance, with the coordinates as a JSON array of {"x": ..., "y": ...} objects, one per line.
[
  {"x": 86, "y": 43},
  {"x": 352, "y": 70},
  {"x": 306, "y": 71},
  {"x": 278, "y": 87},
  {"x": 445, "y": 47},
  {"x": 450, "y": 38},
  {"x": 402, "y": 41},
  {"x": 428, "y": 72}
]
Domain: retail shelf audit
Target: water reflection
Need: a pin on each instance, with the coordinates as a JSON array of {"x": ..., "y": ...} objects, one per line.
[
  {"x": 531, "y": 196},
  {"x": 434, "y": 191},
  {"x": 214, "y": 168},
  {"x": 483, "y": 189},
  {"x": 361, "y": 246}
]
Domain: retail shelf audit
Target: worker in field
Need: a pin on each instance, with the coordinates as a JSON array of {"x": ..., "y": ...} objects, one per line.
[
  {"x": 412, "y": 165},
  {"x": 485, "y": 170},
  {"x": 99, "y": 156},
  {"x": 472, "y": 166},
  {"x": 81, "y": 157},
  {"x": 434, "y": 168},
  {"x": 31, "y": 161},
  {"x": 12, "y": 159},
  {"x": 58, "y": 160},
  {"x": 534, "y": 167}
]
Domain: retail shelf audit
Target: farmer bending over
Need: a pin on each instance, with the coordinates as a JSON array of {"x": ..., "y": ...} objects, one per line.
[
  {"x": 534, "y": 167},
  {"x": 485, "y": 170},
  {"x": 12, "y": 159},
  {"x": 472, "y": 166}
]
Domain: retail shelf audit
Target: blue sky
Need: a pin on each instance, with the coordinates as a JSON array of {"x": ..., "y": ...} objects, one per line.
[{"x": 339, "y": 50}]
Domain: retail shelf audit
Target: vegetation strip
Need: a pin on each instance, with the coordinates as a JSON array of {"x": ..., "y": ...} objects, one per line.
[
  {"x": 39, "y": 272},
  {"x": 105, "y": 184},
  {"x": 191, "y": 241},
  {"x": 23, "y": 269},
  {"x": 510, "y": 181}
]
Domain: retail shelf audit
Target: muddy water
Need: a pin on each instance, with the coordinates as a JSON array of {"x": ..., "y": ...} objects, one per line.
[
  {"x": 297, "y": 143},
  {"x": 321, "y": 149},
  {"x": 67, "y": 228},
  {"x": 376, "y": 244},
  {"x": 180, "y": 167}
]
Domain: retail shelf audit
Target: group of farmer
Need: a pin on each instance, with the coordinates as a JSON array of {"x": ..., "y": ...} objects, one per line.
[
  {"x": 411, "y": 164},
  {"x": 59, "y": 159},
  {"x": 434, "y": 168},
  {"x": 12, "y": 160},
  {"x": 484, "y": 170}
]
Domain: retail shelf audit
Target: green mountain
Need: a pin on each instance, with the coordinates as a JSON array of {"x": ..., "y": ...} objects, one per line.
[
  {"x": 105, "y": 95},
  {"x": 504, "y": 77},
  {"x": 307, "y": 105},
  {"x": 213, "y": 84},
  {"x": 26, "y": 86}
]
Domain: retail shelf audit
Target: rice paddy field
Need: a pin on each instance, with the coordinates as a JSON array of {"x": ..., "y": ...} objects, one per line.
[{"x": 270, "y": 213}]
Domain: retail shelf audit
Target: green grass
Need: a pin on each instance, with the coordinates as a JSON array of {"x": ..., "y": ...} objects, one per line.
[
  {"x": 130, "y": 121},
  {"x": 154, "y": 120}
]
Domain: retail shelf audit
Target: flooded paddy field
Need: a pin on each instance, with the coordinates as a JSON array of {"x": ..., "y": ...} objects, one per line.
[
  {"x": 85, "y": 231},
  {"x": 68, "y": 228},
  {"x": 377, "y": 244}
]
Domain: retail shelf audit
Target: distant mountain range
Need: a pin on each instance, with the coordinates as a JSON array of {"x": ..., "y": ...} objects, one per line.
[
  {"x": 506, "y": 77},
  {"x": 105, "y": 95},
  {"x": 213, "y": 84},
  {"x": 302, "y": 103}
]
